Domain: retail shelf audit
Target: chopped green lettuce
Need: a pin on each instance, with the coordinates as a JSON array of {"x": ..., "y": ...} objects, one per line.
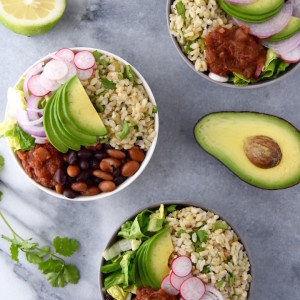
[
  {"x": 117, "y": 292},
  {"x": 156, "y": 220},
  {"x": 115, "y": 278},
  {"x": 128, "y": 268}
]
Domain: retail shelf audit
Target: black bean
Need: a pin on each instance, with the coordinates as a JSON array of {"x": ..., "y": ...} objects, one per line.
[
  {"x": 83, "y": 164},
  {"x": 107, "y": 146},
  {"x": 70, "y": 180},
  {"x": 83, "y": 176},
  {"x": 90, "y": 182},
  {"x": 97, "y": 180},
  {"x": 72, "y": 157},
  {"x": 119, "y": 180},
  {"x": 69, "y": 193},
  {"x": 116, "y": 172},
  {"x": 84, "y": 154},
  {"x": 100, "y": 154},
  {"x": 94, "y": 164},
  {"x": 60, "y": 176}
]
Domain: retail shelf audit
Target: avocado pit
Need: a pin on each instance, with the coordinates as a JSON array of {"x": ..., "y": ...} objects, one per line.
[{"x": 262, "y": 151}]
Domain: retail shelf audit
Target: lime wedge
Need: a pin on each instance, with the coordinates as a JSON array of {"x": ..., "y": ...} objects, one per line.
[{"x": 31, "y": 17}]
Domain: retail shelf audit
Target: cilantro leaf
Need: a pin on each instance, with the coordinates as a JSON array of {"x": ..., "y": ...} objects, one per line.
[
  {"x": 108, "y": 85},
  {"x": 180, "y": 9},
  {"x": 206, "y": 269},
  {"x": 219, "y": 225},
  {"x": 170, "y": 208},
  {"x": 180, "y": 232},
  {"x": 45, "y": 250},
  {"x": 65, "y": 246},
  {"x": 231, "y": 278},
  {"x": 56, "y": 279},
  {"x": 33, "y": 258},
  {"x": 1, "y": 162},
  {"x": 14, "y": 251},
  {"x": 125, "y": 130},
  {"x": 50, "y": 266},
  {"x": 1, "y": 194},
  {"x": 202, "y": 235},
  {"x": 129, "y": 73},
  {"x": 220, "y": 283},
  {"x": 97, "y": 55},
  {"x": 187, "y": 48},
  {"x": 71, "y": 274}
]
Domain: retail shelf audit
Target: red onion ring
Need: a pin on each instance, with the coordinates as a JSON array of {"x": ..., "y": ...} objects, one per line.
[{"x": 32, "y": 103}]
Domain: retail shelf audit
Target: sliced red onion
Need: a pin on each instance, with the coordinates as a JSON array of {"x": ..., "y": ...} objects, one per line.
[
  {"x": 258, "y": 71},
  {"x": 23, "y": 119},
  {"x": 217, "y": 77},
  {"x": 32, "y": 103},
  {"x": 293, "y": 56},
  {"x": 36, "y": 69},
  {"x": 38, "y": 110},
  {"x": 40, "y": 140},
  {"x": 285, "y": 46},
  {"x": 297, "y": 10},
  {"x": 240, "y": 2},
  {"x": 33, "y": 130},
  {"x": 273, "y": 26}
]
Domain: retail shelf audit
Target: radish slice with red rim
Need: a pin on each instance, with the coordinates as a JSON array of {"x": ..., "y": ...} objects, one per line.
[
  {"x": 212, "y": 291},
  {"x": 72, "y": 71},
  {"x": 32, "y": 105},
  {"x": 240, "y": 2},
  {"x": 85, "y": 74},
  {"x": 35, "y": 87},
  {"x": 285, "y": 46},
  {"x": 33, "y": 71},
  {"x": 192, "y": 289},
  {"x": 272, "y": 26},
  {"x": 167, "y": 286},
  {"x": 55, "y": 69},
  {"x": 33, "y": 130},
  {"x": 66, "y": 54},
  {"x": 84, "y": 60},
  {"x": 182, "y": 266},
  {"x": 176, "y": 281},
  {"x": 48, "y": 84},
  {"x": 293, "y": 56}
]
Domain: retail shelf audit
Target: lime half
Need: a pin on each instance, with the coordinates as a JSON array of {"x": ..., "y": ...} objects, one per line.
[{"x": 31, "y": 17}]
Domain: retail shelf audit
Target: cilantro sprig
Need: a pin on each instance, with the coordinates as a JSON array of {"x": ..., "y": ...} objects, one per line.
[{"x": 55, "y": 269}]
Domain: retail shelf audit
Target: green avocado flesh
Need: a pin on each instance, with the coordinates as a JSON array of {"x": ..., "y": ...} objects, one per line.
[
  {"x": 291, "y": 28},
  {"x": 257, "y": 12},
  {"x": 153, "y": 257},
  {"x": 228, "y": 136},
  {"x": 60, "y": 121}
]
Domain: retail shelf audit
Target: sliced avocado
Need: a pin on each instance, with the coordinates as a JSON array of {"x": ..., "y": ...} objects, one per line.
[
  {"x": 263, "y": 150},
  {"x": 257, "y": 12},
  {"x": 291, "y": 28},
  {"x": 77, "y": 136},
  {"x": 48, "y": 122},
  {"x": 140, "y": 266},
  {"x": 80, "y": 110},
  {"x": 58, "y": 128},
  {"x": 157, "y": 257}
]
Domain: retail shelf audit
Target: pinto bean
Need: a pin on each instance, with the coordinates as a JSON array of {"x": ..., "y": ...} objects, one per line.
[
  {"x": 130, "y": 168},
  {"x": 107, "y": 186}
]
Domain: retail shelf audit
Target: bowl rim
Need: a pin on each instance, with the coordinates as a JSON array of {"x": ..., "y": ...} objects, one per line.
[
  {"x": 292, "y": 68},
  {"x": 149, "y": 153},
  {"x": 181, "y": 204}
]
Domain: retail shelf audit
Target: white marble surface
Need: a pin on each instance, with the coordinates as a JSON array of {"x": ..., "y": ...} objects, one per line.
[{"x": 137, "y": 31}]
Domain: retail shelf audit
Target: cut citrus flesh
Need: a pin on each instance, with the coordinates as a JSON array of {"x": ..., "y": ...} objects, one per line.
[{"x": 31, "y": 17}]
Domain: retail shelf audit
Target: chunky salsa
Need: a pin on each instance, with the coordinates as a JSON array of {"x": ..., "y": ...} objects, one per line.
[
  {"x": 147, "y": 293},
  {"x": 234, "y": 50}
]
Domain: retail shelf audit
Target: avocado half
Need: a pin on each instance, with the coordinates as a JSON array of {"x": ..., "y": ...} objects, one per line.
[{"x": 261, "y": 149}]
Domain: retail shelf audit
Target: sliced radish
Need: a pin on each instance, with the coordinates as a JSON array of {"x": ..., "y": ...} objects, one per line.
[
  {"x": 33, "y": 130},
  {"x": 35, "y": 87},
  {"x": 167, "y": 286},
  {"x": 66, "y": 54},
  {"x": 240, "y": 2},
  {"x": 33, "y": 71},
  {"x": 48, "y": 84},
  {"x": 84, "y": 60},
  {"x": 182, "y": 266},
  {"x": 176, "y": 281},
  {"x": 85, "y": 74},
  {"x": 31, "y": 106},
  {"x": 293, "y": 56},
  {"x": 206, "y": 296},
  {"x": 72, "y": 71},
  {"x": 55, "y": 69},
  {"x": 192, "y": 289},
  {"x": 217, "y": 77},
  {"x": 211, "y": 291},
  {"x": 285, "y": 46}
]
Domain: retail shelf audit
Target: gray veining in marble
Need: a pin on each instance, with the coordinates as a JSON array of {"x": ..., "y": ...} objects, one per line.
[{"x": 137, "y": 31}]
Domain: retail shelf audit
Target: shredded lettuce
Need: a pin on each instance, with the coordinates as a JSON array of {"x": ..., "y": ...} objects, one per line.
[
  {"x": 128, "y": 268},
  {"x": 117, "y": 292},
  {"x": 113, "y": 279},
  {"x": 156, "y": 220}
]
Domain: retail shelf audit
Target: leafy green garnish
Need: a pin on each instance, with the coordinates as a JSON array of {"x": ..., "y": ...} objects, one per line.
[
  {"x": 125, "y": 130},
  {"x": 171, "y": 208},
  {"x": 206, "y": 269},
  {"x": 180, "y": 9},
  {"x": 129, "y": 73},
  {"x": 42, "y": 103},
  {"x": 99, "y": 107},
  {"x": 26, "y": 141},
  {"x": 108, "y": 85},
  {"x": 97, "y": 55},
  {"x": 226, "y": 261},
  {"x": 180, "y": 232},
  {"x": 219, "y": 225},
  {"x": 231, "y": 278},
  {"x": 187, "y": 48},
  {"x": 154, "y": 110},
  {"x": 220, "y": 283},
  {"x": 56, "y": 271},
  {"x": 1, "y": 162},
  {"x": 128, "y": 268},
  {"x": 202, "y": 235}
]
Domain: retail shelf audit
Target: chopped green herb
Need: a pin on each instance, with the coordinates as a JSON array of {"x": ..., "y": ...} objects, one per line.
[
  {"x": 198, "y": 247},
  {"x": 180, "y": 232},
  {"x": 155, "y": 111},
  {"x": 231, "y": 278},
  {"x": 206, "y": 269},
  {"x": 109, "y": 85},
  {"x": 42, "y": 103},
  {"x": 125, "y": 130},
  {"x": 187, "y": 22},
  {"x": 103, "y": 62},
  {"x": 97, "y": 55},
  {"x": 220, "y": 225},
  {"x": 1, "y": 194},
  {"x": 220, "y": 283},
  {"x": 171, "y": 208},
  {"x": 202, "y": 235},
  {"x": 187, "y": 48},
  {"x": 180, "y": 9},
  {"x": 129, "y": 74},
  {"x": 1, "y": 162},
  {"x": 104, "y": 140},
  {"x": 226, "y": 261}
]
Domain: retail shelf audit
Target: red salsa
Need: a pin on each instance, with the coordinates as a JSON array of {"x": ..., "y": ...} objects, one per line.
[{"x": 147, "y": 293}]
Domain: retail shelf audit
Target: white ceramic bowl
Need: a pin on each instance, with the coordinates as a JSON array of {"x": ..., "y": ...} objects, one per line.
[{"x": 148, "y": 154}]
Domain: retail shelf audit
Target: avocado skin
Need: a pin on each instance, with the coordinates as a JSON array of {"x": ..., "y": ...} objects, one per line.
[
  {"x": 292, "y": 28},
  {"x": 254, "y": 113}
]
